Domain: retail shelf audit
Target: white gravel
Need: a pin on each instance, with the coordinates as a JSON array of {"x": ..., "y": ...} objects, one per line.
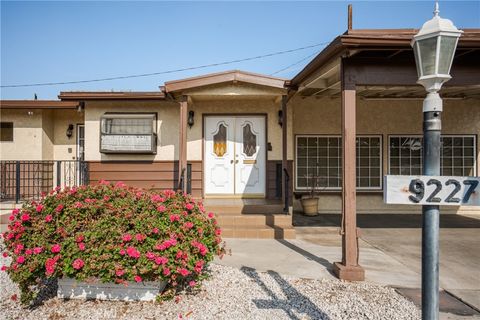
[{"x": 232, "y": 294}]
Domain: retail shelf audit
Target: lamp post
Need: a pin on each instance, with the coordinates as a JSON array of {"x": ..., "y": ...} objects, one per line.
[{"x": 434, "y": 48}]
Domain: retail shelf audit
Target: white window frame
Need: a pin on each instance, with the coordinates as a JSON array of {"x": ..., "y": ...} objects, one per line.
[
  {"x": 379, "y": 188},
  {"x": 474, "y": 136}
]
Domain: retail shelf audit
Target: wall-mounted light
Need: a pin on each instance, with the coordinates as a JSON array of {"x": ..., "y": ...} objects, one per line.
[
  {"x": 30, "y": 113},
  {"x": 280, "y": 118},
  {"x": 81, "y": 106},
  {"x": 191, "y": 120},
  {"x": 69, "y": 131}
]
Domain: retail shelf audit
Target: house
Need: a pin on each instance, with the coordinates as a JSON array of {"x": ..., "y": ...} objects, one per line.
[{"x": 250, "y": 143}]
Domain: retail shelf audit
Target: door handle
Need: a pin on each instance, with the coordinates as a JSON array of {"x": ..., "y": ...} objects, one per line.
[
  {"x": 236, "y": 161},
  {"x": 231, "y": 161}
]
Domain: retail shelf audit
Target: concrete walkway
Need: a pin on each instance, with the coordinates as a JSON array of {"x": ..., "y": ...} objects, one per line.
[{"x": 391, "y": 256}]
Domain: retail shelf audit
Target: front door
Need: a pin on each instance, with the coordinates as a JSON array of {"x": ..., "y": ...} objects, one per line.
[{"x": 235, "y": 155}]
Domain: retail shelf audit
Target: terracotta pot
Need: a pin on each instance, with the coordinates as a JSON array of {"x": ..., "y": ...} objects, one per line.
[{"x": 310, "y": 206}]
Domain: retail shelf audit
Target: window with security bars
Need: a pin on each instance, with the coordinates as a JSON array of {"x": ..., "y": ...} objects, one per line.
[
  {"x": 457, "y": 155},
  {"x": 320, "y": 158}
]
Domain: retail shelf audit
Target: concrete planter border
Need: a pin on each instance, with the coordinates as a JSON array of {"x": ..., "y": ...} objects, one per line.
[{"x": 144, "y": 291}]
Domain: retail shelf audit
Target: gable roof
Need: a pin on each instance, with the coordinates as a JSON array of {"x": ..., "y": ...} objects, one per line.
[
  {"x": 111, "y": 95},
  {"x": 38, "y": 104},
  {"x": 224, "y": 77},
  {"x": 371, "y": 39}
]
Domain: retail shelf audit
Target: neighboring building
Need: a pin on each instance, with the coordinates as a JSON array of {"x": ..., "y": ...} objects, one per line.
[{"x": 241, "y": 135}]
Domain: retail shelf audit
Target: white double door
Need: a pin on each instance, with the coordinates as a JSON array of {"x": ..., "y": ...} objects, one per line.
[{"x": 235, "y": 155}]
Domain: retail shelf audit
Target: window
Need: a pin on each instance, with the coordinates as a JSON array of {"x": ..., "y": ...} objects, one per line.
[
  {"x": 320, "y": 158},
  {"x": 128, "y": 133},
  {"x": 6, "y": 131},
  {"x": 457, "y": 155}
]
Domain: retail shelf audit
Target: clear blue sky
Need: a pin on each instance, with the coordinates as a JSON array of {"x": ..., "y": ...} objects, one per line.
[{"x": 68, "y": 41}]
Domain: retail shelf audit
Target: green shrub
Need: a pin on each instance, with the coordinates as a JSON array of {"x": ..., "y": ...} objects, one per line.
[{"x": 111, "y": 233}]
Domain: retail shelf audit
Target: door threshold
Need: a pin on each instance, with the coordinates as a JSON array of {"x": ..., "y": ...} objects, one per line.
[{"x": 234, "y": 196}]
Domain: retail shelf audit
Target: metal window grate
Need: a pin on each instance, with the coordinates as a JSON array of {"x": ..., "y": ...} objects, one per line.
[
  {"x": 458, "y": 154},
  {"x": 321, "y": 156}
]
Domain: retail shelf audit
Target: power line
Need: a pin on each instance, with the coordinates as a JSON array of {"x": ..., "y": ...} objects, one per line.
[
  {"x": 294, "y": 64},
  {"x": 164, "y": 72}
]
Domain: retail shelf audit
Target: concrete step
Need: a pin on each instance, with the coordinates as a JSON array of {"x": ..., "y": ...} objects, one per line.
[
  {"x": 236, "y": 209},
  {"x": 258, "y": 232}
]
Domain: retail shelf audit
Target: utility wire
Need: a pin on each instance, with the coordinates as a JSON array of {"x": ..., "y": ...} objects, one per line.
[
  {"x": 164, "y": 72},
  {"x": 294, "y": 64}
]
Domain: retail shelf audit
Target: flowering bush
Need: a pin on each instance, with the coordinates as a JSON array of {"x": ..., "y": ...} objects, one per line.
[{"x": 111, "y": 233}]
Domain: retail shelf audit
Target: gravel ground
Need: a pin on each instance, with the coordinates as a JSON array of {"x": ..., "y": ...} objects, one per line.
[{"x": 230, "y": 294}]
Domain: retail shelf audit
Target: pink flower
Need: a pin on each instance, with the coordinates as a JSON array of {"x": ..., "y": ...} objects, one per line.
[
  {"x": 78, "y": 264},
  {"x": 166, "y": 271},
  {"x": 106, "y": 198},
  {"x": 210, "y": 215},
  {"x": 29, "y": 252},
  {"x": 21, "y": 259},
  {"x": 59, "y": 208},
  {"x": 174, "y": 217},
  {"x": 80, "y": 238},
  {"x": 81, "y": 246},
  {"x": 126, "y": 237},
  {"x": 15, "y": 211},
  {"x": 192, "y": 283},
  {"x": 90, "y": 201},
  {"x": 50, "y": 265},
  {"x": 11, "y": 217},
  {"x": 78, "y": 205},
  {"x": 4, "y": 268},
  {"x": 189, "y": 206},
  {"x": 122, "y": 252},
  {"x": 120, "y": 272},
  {"x": 48, "y": 218},
  {"x": 218, "y": 232},
  {"x": 37, "y": 250},
  {"x": 188, "y": 225},
  {"x": 140, "y": 237},
  {"x": 155, "y": 230},
  {"x": 56, "y": 248},
  {"x": 184, "y": 272},
  {"x": 161, "y": 209},
  {"x": 150, "y": 255},
  {"x": 132, "y": 252},
  {"x": 157, "y": 198},
  {"x": 25, "y": 217},
  {"x": 39, "y": 208},
  {"x": 137, "y": 279},
  {"x": 161, "y": 260},
  {"x": 4, "y": 254}
]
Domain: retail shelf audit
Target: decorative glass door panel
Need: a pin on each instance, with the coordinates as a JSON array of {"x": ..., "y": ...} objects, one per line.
[
  {"x": 219, "y": 155},
  {"x": 235, "y": 155}
]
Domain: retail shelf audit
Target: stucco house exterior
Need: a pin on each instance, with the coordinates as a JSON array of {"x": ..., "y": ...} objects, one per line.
[{"x": 248, "y": 144}]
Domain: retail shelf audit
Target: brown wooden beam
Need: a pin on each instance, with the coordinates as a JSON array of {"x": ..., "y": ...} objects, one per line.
[
  {"x": 285, "y": 191},
  {"x": 349, "y": 269},
  {"x": 182, "y": 154},
  {"x": 402, "y": 72}
]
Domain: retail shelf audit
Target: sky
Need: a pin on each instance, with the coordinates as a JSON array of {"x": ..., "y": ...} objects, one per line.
[{"x": 63, "y": 41}]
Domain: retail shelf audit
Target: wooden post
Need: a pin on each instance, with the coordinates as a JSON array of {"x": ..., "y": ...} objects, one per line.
[
  {"x": 349, "y": 269},
  {"x": 182, "y": 149},
  {"x": 285, "y": 188}
]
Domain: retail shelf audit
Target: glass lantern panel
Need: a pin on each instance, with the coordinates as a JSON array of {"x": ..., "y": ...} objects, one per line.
[
  {"x": 428, "y": 53},
  {"x": 249, "y": 141},
  {"x": 447, "y": 49},
  {"x": 415, "y": 51}
]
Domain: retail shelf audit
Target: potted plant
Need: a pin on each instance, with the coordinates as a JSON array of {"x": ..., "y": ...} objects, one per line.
[
  {"x": 110, "y": 241},
  {"x": 310, "y": 201}
]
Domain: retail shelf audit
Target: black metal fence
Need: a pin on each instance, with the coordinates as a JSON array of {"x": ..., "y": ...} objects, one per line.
[{"x": 24, "y": 180}]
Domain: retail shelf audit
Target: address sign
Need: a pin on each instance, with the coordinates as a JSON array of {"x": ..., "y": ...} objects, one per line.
[{"x": 432, "y": 190}]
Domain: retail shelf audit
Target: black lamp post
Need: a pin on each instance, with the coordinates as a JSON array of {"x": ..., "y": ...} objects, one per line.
[{"x": 434, "y": 48}]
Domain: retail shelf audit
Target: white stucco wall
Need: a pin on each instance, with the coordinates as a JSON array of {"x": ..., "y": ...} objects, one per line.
[
  {"x": 28, "y": 135},
  {"x": 167, "y": 128}
]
